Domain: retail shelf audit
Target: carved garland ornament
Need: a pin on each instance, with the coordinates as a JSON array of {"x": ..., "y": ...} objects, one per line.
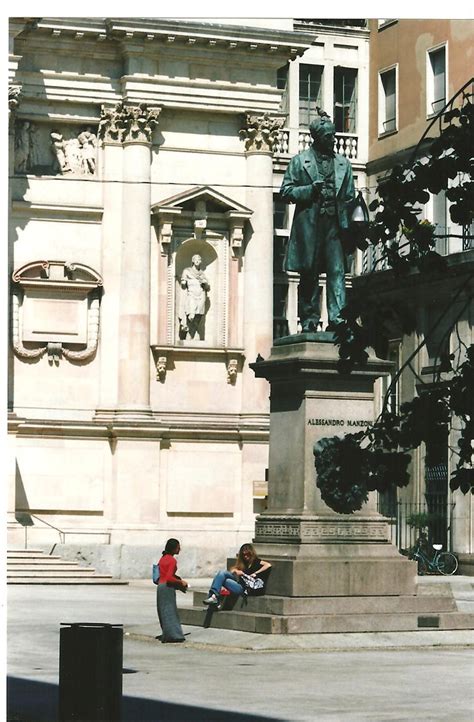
[
  {"x": 56, "y": 305},
  {"x": 128, "y": 123},
  {"x": 261, "y": 132}
]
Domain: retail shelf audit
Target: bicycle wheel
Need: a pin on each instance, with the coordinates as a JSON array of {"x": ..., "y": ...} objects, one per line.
[{"x": 447, "y": 563}]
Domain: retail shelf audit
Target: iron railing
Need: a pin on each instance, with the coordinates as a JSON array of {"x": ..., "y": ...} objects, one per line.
[
  {"x": 26, "y": 520},
  {"x": 433, "y": 516}
]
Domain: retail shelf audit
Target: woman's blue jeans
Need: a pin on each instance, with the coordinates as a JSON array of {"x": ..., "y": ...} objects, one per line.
[{"x": 225, "y": 579}]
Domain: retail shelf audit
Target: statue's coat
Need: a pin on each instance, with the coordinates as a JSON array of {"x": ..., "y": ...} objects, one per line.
[{"x": 297, "y": 188}]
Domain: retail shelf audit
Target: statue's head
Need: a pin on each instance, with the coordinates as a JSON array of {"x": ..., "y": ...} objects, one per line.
[
  {"x": 196, "y": 260},
  {"x": 323, "y": 131}
]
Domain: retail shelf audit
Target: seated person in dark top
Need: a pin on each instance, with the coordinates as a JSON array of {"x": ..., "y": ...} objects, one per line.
[{"x": 248, "y": 576}]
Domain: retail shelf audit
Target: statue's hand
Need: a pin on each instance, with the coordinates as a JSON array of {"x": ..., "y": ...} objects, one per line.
[{"x": 317, "y": 187}]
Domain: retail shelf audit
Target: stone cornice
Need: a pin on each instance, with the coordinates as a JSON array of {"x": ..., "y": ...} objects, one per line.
[
  {"x": 169, "y": 427},
  {"x": 177, "y": 32}
]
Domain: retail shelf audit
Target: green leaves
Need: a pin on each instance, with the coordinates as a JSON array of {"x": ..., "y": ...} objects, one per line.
[{"x": 377, "y": 459}]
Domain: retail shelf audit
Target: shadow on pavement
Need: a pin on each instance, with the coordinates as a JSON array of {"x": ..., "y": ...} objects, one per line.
[{"x": 30, "y": 701}]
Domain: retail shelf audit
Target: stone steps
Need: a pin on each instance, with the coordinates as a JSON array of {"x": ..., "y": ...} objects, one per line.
[
  {"x": 299, "y": 615},
  {"x": 33, "y": 566},
  {"x": 285, "y": 606}
]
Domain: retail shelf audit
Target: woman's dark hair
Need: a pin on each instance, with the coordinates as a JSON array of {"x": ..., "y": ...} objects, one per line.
[
  {"x": 245, "y": 563},
  {"x": 171, "y": 546}
]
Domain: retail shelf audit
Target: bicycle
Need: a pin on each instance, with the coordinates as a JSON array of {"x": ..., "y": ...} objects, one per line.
[{"x": 443, "y": 562}]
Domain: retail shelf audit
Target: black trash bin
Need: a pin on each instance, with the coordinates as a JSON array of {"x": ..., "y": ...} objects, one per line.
[{"x": 90, "y": 672}]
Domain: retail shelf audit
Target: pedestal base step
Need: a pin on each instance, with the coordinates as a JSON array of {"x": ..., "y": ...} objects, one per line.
[{"x": 282, "y": 615}]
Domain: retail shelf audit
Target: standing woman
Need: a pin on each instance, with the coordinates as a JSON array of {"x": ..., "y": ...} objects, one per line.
[{"x": 168, "y": 582}]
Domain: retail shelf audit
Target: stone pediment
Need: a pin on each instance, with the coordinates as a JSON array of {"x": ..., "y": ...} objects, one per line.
[
  {"x": 197, "y": 205},
  {"x": 193, "y": 199}
]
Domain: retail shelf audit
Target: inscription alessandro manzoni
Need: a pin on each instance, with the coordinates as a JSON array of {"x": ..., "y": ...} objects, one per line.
[{"x": 338, "y": 422}]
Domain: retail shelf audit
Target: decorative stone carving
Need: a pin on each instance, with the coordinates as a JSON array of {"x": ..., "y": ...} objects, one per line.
[
  {"x": 55, "y": 305},
  {"x": 193, "y": 301},
  {"x": 14, "y": 94},
  {"x": 75, "y": 155},
  {"x": 261, "y": 132},
  {"x": 26, "y": 147},
  {"x": 88, "y": 144},
  {"x": 232, "y": 367},
  {"x": 58, "y": 148},
  {"x": 201, "y": 221},
  {"x": 161, "y": 363},
  {"x": 111, "y": 125},
  {"x": 128, "y": 123},
  {"x": 19, "y": 349},
  {"x": 318, "y": 531}
]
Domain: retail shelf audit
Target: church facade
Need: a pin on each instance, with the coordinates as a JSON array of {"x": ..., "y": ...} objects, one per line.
[{"x": 146, "y": 239}]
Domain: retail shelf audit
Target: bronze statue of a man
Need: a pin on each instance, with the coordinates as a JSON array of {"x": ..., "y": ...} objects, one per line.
[{"x": 321, "y": 184}]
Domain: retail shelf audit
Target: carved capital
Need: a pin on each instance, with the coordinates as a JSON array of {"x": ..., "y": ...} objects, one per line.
[
  {"x": 126, "y": 123},
  {"x": 14, "y": 96},
  {"x": 261, "y": 132}
]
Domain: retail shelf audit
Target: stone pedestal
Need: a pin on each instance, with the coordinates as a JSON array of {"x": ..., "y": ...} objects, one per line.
[
  {"x": 331, "y": 573},
  {"x": 315, "y": 551}
]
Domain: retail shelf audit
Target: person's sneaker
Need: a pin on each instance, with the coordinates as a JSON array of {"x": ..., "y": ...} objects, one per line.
[{"x": 212, "y": 599}]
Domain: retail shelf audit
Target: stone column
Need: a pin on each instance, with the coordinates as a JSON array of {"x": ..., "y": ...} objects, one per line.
[
  {"x": 111, "y": 264},
  {"x": 314, "y": 550},
  {"x": 134, "y": 126},
  {"x": 260, "y": 134}
]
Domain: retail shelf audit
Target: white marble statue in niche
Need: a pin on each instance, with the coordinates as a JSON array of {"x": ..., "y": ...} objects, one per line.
[{"x": 194, "y": 301}]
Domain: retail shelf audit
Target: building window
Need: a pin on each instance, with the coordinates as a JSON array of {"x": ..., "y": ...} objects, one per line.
[
  {"x": 440, "y": 220},
  {"x": 310, "y": 93},
  {"x": 436, "y": 80},
  {"x": 388, "y": 101},
  {"x": 345, "y": 99}
]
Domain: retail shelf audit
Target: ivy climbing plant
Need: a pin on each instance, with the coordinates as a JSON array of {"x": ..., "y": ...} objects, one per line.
[{"x": 378, "y": 458}]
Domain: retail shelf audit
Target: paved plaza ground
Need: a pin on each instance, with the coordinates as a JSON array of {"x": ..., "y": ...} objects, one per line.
[{"x": 224, "y": 676}]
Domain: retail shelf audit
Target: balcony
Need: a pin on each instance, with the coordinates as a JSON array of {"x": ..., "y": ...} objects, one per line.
[{"x": 292, "y": 141}]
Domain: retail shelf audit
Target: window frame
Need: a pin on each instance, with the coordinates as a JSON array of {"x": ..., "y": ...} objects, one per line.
[
  {"x": 341, "y": 69},
  {"x": 382, "y": 116},
  {"x": 304, "y": 122},
  {"x": 429, "y": 83}
]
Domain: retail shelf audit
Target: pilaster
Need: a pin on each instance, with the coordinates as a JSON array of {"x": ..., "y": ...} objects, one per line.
[
  {"x": 131, "y": 127},
  {"x": 260, "y": 133}
]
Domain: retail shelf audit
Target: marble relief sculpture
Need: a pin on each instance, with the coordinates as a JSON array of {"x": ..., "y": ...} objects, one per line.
[
  {"x": 26, "y": 147},
  {"x": 195, "y": 286},
  {"x": 58, "y": 147},
  {"x": 88, "y": 144}
]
